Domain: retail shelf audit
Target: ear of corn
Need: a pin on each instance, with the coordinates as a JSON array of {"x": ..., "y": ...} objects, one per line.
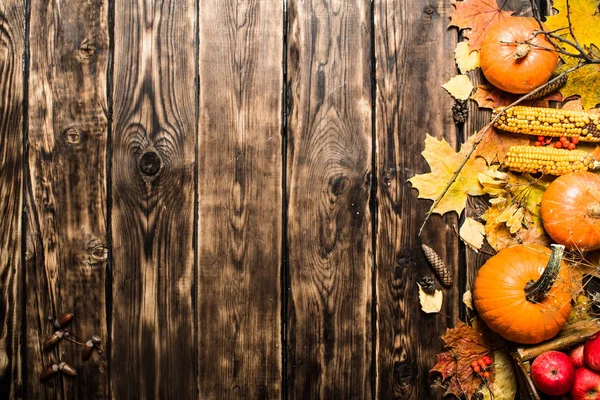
[
  {"x": 549, "y": 160},
  {"x": 550, "y": 122}
]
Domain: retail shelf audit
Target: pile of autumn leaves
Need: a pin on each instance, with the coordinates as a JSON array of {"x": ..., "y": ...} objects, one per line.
[
  {"x": 513, "y": 215},
  {"x": 480, "y": 174}
]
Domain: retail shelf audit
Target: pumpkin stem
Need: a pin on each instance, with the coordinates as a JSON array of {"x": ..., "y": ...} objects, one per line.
[
  {"x": 593, "y": 210},
  {"x": 521, "y": 51},
  {"x": 536, "y": 291}
]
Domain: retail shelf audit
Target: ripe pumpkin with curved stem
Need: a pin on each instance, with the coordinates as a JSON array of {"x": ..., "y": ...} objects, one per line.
[
  {"x": 523, "y": 293},
  {"x": 512, "y": 65},
  {"x": 570, "y": 210}
]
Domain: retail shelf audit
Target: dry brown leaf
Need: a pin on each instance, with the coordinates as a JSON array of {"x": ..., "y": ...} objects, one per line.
[
  {"x": 472, "y": 233},
  {"x": 430, "y": 303},
  {"x": 468, "y": 299},
  {"x": 459, "y": 87},
  {"x": 488, "y": 96},
  {"x": 573, "y": 104},
  {"x": 477, "y": 16}
]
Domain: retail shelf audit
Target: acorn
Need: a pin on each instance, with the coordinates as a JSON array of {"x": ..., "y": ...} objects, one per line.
[{"x": 63, "y": 320}]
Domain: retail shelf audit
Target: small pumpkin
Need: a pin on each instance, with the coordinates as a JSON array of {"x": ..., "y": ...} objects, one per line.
[
  {"x": 523, "y": 293},
  {"x": 571, "y": 210},
  {"x": 512, "y": 67}
]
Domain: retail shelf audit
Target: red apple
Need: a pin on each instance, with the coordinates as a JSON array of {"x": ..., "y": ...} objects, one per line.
[
  {"x": 586, "y": 386},
  {"x": 576, "y": 354},
  {"x": 591, "y": 353},
  {"x": 553, "y": 372}
]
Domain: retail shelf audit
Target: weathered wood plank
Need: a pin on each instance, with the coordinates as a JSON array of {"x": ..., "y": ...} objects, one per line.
[
  {"x": 154, "y": 135},
  {"x": 66, "y": 189},
  {"x": 12, "y": 36},
  {"x": 414, "y": 56},
  {"x": 240, "y": 199},
  {"x": 329, "y": 181}
]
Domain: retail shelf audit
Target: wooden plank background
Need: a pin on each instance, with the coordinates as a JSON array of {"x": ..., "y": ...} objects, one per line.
[{"x": 218, "y": 189}]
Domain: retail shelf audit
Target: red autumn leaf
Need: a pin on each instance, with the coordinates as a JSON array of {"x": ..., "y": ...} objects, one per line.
[
  {"x": 465, "y": 345},
  {"x": 477, "y": 16},
  {"x": 488, "y": 96},
  {"x": 446, "y": 365}
]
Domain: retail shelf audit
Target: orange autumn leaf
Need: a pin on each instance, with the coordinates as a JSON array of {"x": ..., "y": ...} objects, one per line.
[{"x": 477, "y": 16}]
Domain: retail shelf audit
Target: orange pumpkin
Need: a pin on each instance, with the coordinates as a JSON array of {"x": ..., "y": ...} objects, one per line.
[
  {"x": 524, "y": 293},
  {"x": 571, "y": 210},
  {"x": 512, "y": 67}
]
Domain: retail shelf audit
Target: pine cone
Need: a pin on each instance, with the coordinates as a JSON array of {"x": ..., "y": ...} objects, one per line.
[
  {"x": 427, "y": 284},
  {"x": 550, "y": 88},
  {"x": 460, "y": 111},
  {"x": 438, "y": 265}
]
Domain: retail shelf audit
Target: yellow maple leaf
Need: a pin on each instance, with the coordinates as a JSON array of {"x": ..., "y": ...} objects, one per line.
[
  {"x": 444, "y": 161},
  {"x": 585, "y": 21},
  {"x": 584, "y": 82},
  {"x": 459, "y": 87},
  {"x": 466, "y": 60}
]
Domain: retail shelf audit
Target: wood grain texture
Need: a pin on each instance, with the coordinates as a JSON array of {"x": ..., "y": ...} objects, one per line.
[
  {"x": 11, "y": 178},
  {"x": 240, "y": 194},
  {"x": 329, "y": 180},
  {"x": 414, "y": 56},
  {"x": 154, "y": 136},
  {"x": 66, "y": 189}
]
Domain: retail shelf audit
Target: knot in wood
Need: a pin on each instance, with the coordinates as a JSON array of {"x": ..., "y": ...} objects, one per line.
[
  {"x": 99, "y": 253},
  {"x": 87, "y": 49},
  {"x": 73, "y": 134},
  {"x": 150, "y": 163},
  {"x": 429, "y": 9},
  {"x": 388, "y": 177},
  {"x": 339, "y": 184}
]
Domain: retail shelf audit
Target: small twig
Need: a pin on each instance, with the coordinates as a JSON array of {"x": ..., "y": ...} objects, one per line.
[
  {"x": 74, "y": 341},
  {"x": 582, "y": 54},
  {"x": 462, "y": 389},
  {"x": 482, "y": 134},
  {"x": 571, "y": 25}
]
